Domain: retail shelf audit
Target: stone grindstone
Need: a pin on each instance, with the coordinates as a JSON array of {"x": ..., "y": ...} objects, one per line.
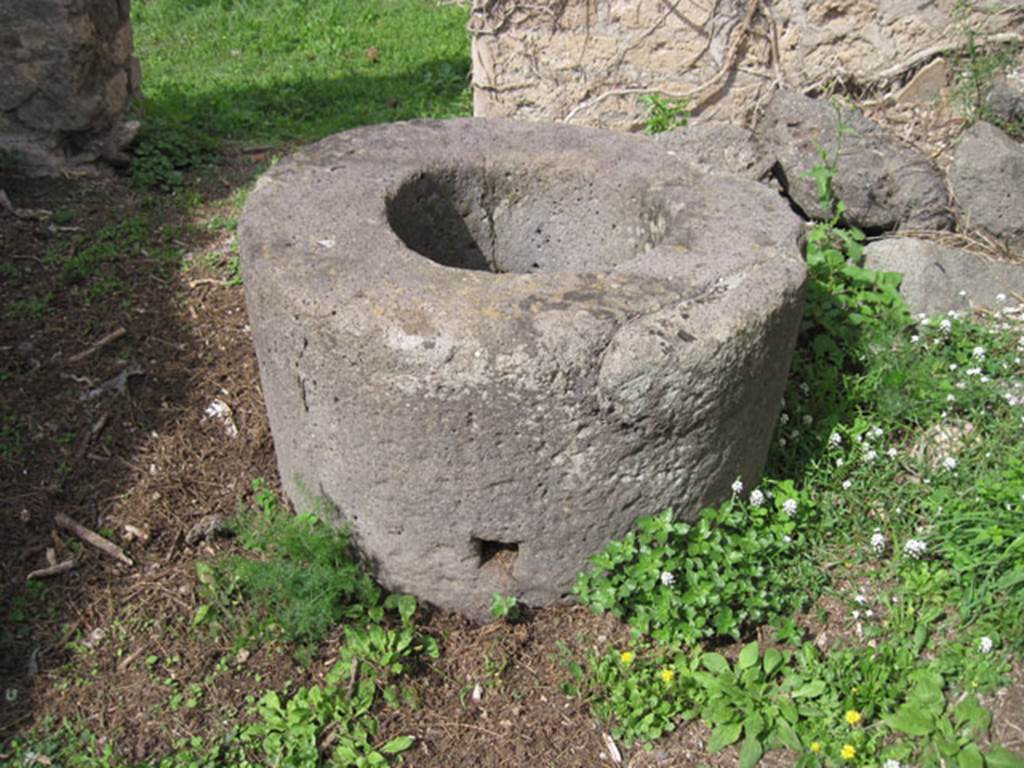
[{"x": 488, "y": 346}]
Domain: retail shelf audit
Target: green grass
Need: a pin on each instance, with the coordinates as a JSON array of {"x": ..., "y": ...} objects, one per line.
[{"x": 278, "y": 70}]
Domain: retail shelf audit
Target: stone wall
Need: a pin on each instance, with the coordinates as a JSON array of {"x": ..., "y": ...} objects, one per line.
[
  {"x": 66, "y": 77},
  {"x": 588, "y": 61}
]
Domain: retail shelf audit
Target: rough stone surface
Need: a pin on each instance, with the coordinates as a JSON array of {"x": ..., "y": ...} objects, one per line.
[
  {"x": 552, "y": 59},
  {"x": 927, "y": 85},
  {"x": 720, "y": 148},
  {"x": 66, "y": 77},
  {"x": 1006, "y": 98},
  {"x": 885, "y": 184},
  {"x": 937, "y": 278},
  {"x": 491, "y": 345},
  {"x": 987, "y": 177}
]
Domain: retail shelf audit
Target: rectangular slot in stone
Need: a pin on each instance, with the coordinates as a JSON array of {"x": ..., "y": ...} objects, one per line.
[{"x": 496, "y": 553}]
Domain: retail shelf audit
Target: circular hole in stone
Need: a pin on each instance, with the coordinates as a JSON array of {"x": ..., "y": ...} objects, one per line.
[{"x": 525, "y": 219}]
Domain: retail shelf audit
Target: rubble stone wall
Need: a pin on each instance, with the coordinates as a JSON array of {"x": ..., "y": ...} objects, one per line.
[
  {"x": 587, "y": 61},
  {"x": 67, "y": 75}
]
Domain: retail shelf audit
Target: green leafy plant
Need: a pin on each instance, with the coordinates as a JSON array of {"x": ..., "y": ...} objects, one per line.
[
  {"x": 754, "y": 700},
  {"x": 504, "y": 607},
  {"x": 165, "y": 149},
  {"x": 644, "y": 691},
  {"x": 680, "y": 582},
  {"x": 664, "y": 114}
]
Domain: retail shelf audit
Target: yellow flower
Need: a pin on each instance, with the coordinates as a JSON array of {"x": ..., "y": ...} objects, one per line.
[
  {"x": 815, "y": 746},
  {"x": 852, "y": 716},
  {"x": 668, "y": 675},
  {"x": 626, "y": 657},
  {"x": 848, "y": 752}
]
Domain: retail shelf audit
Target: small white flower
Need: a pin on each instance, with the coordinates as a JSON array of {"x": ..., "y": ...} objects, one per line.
[
  {"x": 756, "y": 498},
  {"x": 1000, "y": 297},
  {"x": 890, "y": 763},
  {"x": 950, "y": 398},
  {"x": 973, "y": 371},
  {"x": 949, "y": 463},
  {"x": 962, "y": 293},
  {"x": 835, "y": 439},
  {"x": 794, "y": 434},
  {"x": 984, "y": 379},
  {"x": 855, "y": 614},
  {"x": 782, "y": 442},
  {"x": 915, "y": 548},
  {"x": 839, "y": 463},
  {"x": 807, "y": 419},
  {"x": 953, "y": 366},
  {"x": 875, "y": 433},
  {"x": 805, "y": 388},
  {"x": 892, "y": 453},
  {"x": 860, "y": 599},
  {"x": 978, "y": 353},
  {"x": 784, "y": 419},
  {"x": 847, "y": 485},
  {"x": 945, "y": 326},
  {"x": 985, "y": 644},
  {"x": 737, "y": 486},
  {"x": 878, "y": 542},
  {"x": 961, "y": 385},
  {"x": 914, "y": 339},
  {"x": 786, "y": 540},
  {"x": 789, "y": 507},
  {"x": 869, "y": 614},
  {"x": 870, "y": 455},
  {"x": 668, "y": 578}
]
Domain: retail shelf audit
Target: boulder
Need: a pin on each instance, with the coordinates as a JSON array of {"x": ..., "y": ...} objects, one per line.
[
  {"x": 885, "y": 184},
  {"x": 987, "y": 177},
  {"x": 1005, "y": 99},
  {"x": 490, "y": 345},
  {"x": 937, "y": 278}
]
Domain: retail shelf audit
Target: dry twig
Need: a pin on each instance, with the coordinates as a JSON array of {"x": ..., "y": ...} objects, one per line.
[
  {"x": 114, "y": 335},
  {"x": 92, "y": 538},
  {"x": 51, "y": 570}
]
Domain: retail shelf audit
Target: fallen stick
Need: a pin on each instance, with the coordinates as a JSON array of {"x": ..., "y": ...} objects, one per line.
[
  {"x": 51, "y": 570},
  {"x": 114, "y": 335},
  {"x": 90, "y": 537}
]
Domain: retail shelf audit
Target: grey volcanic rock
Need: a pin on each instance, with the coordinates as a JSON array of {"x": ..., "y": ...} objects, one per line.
[
  {"x": 884, "y": 184},
  {"x": 934, "y": 275},
  {"x": 491, "y": 345},
  {"x": 1006, "y": 97},
  {"x": 988, "y": 182},
  {"x": 720, "y": 148}
]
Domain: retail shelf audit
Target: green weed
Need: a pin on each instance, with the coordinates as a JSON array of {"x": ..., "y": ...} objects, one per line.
[
  {"x": 504, "y": 607},
  {"x": 29, "y": 307},
  {"x": 736, "y": 566},
  {"x": 165, "y": 149},
  {"x": 302, "y": 581},
  {"x": 976, "y": 66},
  {"x": 664, "y": 114}
]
